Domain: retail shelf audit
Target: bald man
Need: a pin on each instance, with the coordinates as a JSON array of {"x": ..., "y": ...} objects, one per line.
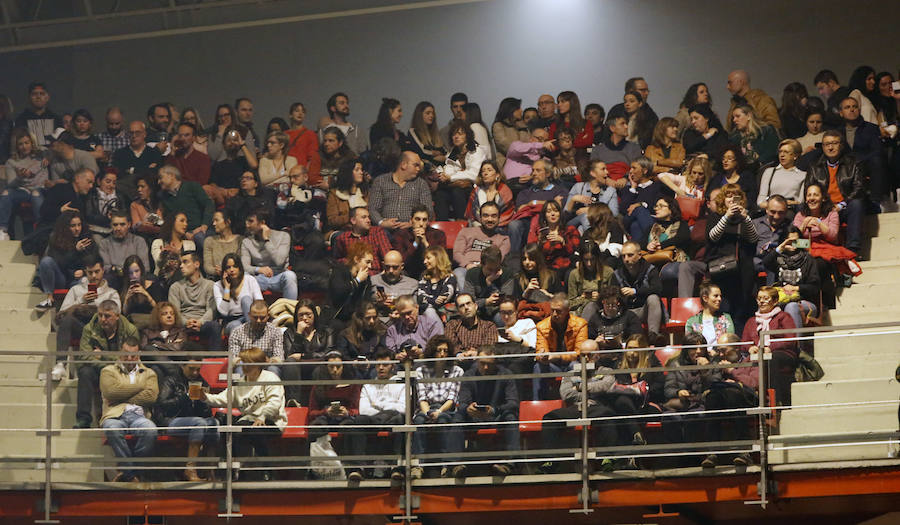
[
  {"x": 394, "y": 195},
  {"x": 116, "y": 135},
  {"x": 741, "y": 93},
  {"x": 391, "y": 283},
  {"x": 135, "y": 159}
]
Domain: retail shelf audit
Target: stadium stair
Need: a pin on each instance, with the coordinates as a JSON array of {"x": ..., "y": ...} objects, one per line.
[{"x": 856, "y": 369}]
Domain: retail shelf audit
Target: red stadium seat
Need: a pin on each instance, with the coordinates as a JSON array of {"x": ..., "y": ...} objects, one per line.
[
  {"x": 450, "y": 229},
  {"x": 535, "y": 411},
  {"x": 211, "y": 369},
  {"x": 682, "y": 309},
  {"x": 296, "y": 416},
  {"x": 666, "y": 353}
]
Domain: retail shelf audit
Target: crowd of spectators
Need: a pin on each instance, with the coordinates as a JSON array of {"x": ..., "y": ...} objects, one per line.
[{"x": 575, "y": 230}]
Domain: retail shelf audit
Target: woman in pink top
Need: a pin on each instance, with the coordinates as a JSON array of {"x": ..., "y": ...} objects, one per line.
[{"x": 818, "y": 218}]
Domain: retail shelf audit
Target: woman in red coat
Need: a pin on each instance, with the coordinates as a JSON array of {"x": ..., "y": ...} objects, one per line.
[
  {"x": 558, "y": 241},
  {"x": 784, "y": 353}
]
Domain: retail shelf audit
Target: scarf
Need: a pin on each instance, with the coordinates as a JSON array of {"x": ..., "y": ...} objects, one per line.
[{"x": 763, "y": 321}]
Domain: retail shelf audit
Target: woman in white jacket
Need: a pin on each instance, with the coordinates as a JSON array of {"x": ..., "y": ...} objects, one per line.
[
  {"x": 458, "y": 173},
  {"x": 261, "y": 406}
]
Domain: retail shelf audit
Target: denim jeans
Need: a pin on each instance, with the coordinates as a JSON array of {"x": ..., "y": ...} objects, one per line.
[
  {"x": 144, "y": 439},
  {"x": 11, "y": 201},
  {"x": 285, "y": 283},
  {"x": 192, "y": 428},
  {"x": 51, "y": 275}
]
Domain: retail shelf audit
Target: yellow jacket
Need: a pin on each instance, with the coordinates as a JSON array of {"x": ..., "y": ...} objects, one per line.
[{"x": 576, "y": 333}]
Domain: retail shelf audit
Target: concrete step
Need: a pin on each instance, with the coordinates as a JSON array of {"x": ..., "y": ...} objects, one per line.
[
  {"x": 801, "y": 422},
  {"x": 865, "y": 295},
  {"x": 885, "y": 248},
  {"x": 32, "y": 391},
  {"x": 24, "y": 319},
  {"x": 852, "y": 344},
  {"x": 23, "y": 368},
  {"x": 879, "y": 272},
  {"x": 879, "y": 312},
  {"x": 66, "y": 473},
  {"x": 33, "y": 414},
  {"x": 65, "y": 444},
  {"x": 11, "y": 252},
  {"x": 825, "y": 454},
  {"x": 847, "y": 390},
  {"x": 32, "y": 341},
  {"x": 872, "y": 367},
  {"x": 16, "y": 274},
  {"x": 22, "y": 300}
]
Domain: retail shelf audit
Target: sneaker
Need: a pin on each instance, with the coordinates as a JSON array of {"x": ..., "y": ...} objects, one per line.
[
  {"x": 355, "y": 476},
  {"x": 3, "y": 235},
  {"x": 82, "y": 423},
  {"x": 59, "y": 371},
  {"x": 608, "y": 465},
  {"x": 44, "y": 305},
  {"x": 459, "y": 471},
  {"x": 743, "y": 460},
  {"x": 710, "y": 462},
  {"x": 547, "y": 467},
  {"x": 397, "y": 474},
  {"x": 638, "y": 439},
  {"x": 445, "y": 472},
  {"x": 500, "y": 469},
  {"x": 416, "y": 473}
]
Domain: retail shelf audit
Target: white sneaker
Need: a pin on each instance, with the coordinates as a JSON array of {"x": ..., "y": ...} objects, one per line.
[
  {"x": 3, "y": 235},
  {"x": 44, "y": 305},
  {"x": 59, "y": 371}
]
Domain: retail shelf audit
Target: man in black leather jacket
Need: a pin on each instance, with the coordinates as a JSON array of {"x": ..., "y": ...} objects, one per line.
[
  {"x": 850, "y": 178},
  {"x": 176, "y": 408}
]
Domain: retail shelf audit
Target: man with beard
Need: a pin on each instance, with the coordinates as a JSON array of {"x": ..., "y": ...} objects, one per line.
[
  {"x": 640, "y": 285},
  {"x": 338, "y": 107},
  {"x": 391, "y": 283},
  {"x": 265, "y": 253},
  {"x": 194, "y": 165},
  {"x": 472, "y": 241}
]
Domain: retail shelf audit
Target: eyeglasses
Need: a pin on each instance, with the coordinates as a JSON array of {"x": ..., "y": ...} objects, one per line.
[
  {"x": 392, "y": 266},
  {"x": 838, "y": 143}
]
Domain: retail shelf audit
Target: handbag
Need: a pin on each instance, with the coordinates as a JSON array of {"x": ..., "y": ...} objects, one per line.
[
  {"x": 327, "y": 467},
  {"x": 723, "y": 266},
  {"x": 690, "y": 207},
  {"x": 662, "y": 256},
  {"x": 808, "y": 369}
]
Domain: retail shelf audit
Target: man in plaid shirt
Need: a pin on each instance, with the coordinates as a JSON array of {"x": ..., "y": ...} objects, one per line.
[
  {"x": 361, "y": 230},
  {"x": 393, "y": 195},
  {"x": 258, "y": 332},
  {"x": 469, "y": 332},
  {"x": 115, "y": 136}
]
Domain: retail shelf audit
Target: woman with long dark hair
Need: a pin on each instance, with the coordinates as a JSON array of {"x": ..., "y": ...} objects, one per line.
[
  {"x": 172, "y": 238},
  {"x": 425, "y": 134},
  {"x": 363, "y": 334},
  {"x": 569, "y": 115},
  {"x": 472, "y": 112},
  {"x": 640, "y": 119},
  {"x": 222, "y": 242},
  {"x": 435, "y": 401},
  {"x": 334, "y": 152},
  {"x": 235, "y": 292},
  {"x": 458, "y": 173},
  {"x": 864, "y": 89},
  {"x": 490, "y": 187},
  {"x": 558, "y": 241},
  {"x": 535, "y": 283},
  {"x": 389, "y": 116},
  {"x": 793, "y": 110},
  {"x": 668, "y": 241},
  {"x": 350, "y": 190},
  {"x": 696, "y": 94},
  {"x": 733, "y": 170},
  {"x": 706, "y": 134},
  {"x": 140, "y": 291},
  {"x": 587, "y": 277},
  {"x": 306, "y": 340},
  {"x": 604, "y": 229},
  {"x": 61, "y": 265},
  {"x": 508, "y": 127},
  {"x": 146, "y": 213}
]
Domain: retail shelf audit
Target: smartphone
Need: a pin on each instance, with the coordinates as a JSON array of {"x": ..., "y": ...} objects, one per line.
[
  {"x": 92, "y": 288},
  {"x": 543, "y": 231},
  {"x": 163, "y": 136},
  {"x": 801, "y": 244},
  {"x": 483, "y": 408},
  {"x": 895, "y": 85},
  {"x": 380, "y": 289}
]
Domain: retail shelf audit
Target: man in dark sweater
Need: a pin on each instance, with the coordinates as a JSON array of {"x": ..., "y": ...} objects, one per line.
[
  {"x": 616, "y": 151},
  {"x": 484, "y": 401},
  {"x": 66, "y": 196},
  {"x": 864, "y": 139},
  {"x": 530, "y": 201},
  {"x": 639, "y": 283},
  {"x": 135, "y": 159},
  {"x": 178, "y": 195},
  {"x": 637, "y": 201},
  {"x": 37, "y": 118}
]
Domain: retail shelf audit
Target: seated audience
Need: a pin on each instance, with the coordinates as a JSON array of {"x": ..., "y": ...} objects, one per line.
[
  {"x": 598, "y": 189},
  {"x": 469, "y": 331},
  {"x": 471, "y": 241},
  {"x": 609, "y": 321},
  {"x": 218, "y": 245},
  {"x": 668, "y": 242},
  {"x": 706, "y": 134},
  {"x": 146, "y": 213},
  {"x": 251, "y": 196},
  {"x": 135, "y": 159},
  {"x": 25, "y": 175},
  {"x": 65, "y": 159},
  {"x": 530, "y": 201},
  {"x": 194, "y": 297},
  {"x": 535, "y": 283},
  {"x": 710, "y": 322},
  {"x": 459, "y": 172},
  {"x": 348, "y": 191},
  {"x": 438, "y": 285},
  {"x": 604, "y": 229},
  {"x": 101, "y": 201},
  {"x": 235, "y": 292},
  {"x": 641, "y": 120},
  {"x": 265, "y": 255},
  {"x": 424, "y": 135},
  {"x": 436, "y": 402},
  {"x": 738, "y": 390},
  {"x": 616, "y": 150},
  {"x": 261, "y": 405},
  {"x": 587, "y": 276},
  {"x": 692, "y": 183},
  {"x": 521, "y": 156},
  {"x": 733, "y": 171},
  {"x": 494, "y": 400},
  {"x": 307, "y": 340},
  {"x": 487, "y": 282},
  {"x": 409, "y": 332},
  {"x": 844, "y": 178},
  {"x": 569, "y": 163},
  {"x": 569, "y": 116},
  {"x": 107, "y": 331},
  {"x": 760, "y": 102},
  {"x": 164, "y": 333},
  {"x": 140, "y": 291},
  {"x": 187, "y": 197},
  {"x": 389, "y": 115},
  {"x": 665, "y": 151},
  {"x": 193, "y": 165},
  {"x": 362, "y": 230},
  {"x": 334, "y": 152},
  {"x": 490, "y": 189},
  {"x": 508, "y": 127},
  {"x": 225, "y": 176},
  {"x": 770, "y": 316},
  {"x": 363, "y": 335},
  {"x": 814, "y": 130},
  {"x": 173, "y": 238},
  {"x": 275, "y": 164},
  {"x": 818, "y": 219},
  {"x": 758, "y": 141},
  {"x": 128, "y": 389},
  {"x": 333, "y": 404},
  {"x": 557, "y": 240},
  {"x": 180, "y": 406},
  {"x": 259, "y": 332},
  {"x": 391, "y": 283},
  {"x": 115, "y": 248},
  {"x": 784, "y": 178},
  {"x": 796, "y": 277},
  {"x": 640, "y": 286},
  {"x": 772, "y": 229},
  {"x": 62, "y": 265},
  {"x": 350, "y": 283},
  {"x": 394, "y": 194},
  {"x": 413, "y": 241},
  {"x": 638, "y": 198}
]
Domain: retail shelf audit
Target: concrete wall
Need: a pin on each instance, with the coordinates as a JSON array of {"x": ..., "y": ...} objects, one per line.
[{"x": 489, "y": 50}]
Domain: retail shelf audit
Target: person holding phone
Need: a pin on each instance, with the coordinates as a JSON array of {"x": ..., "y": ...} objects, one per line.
[{"x": 797, "y": 276}]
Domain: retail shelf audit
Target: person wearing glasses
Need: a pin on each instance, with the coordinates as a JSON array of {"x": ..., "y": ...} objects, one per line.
[
  {"x": 769, "y": 316},
  {"x": 844, "y": 179}
]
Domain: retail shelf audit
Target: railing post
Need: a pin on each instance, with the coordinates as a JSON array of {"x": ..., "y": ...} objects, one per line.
[
  {"x": 763, "y": 426},
  {"x": 585, "y": 359},
  {"x": 48, "y": 445},
  {"x": 229, "y": 438},
  {"x": 407, "y": 420}
]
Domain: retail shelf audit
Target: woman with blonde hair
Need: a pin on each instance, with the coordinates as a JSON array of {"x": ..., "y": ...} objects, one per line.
[
  {"x": 665, "y": 150},
  {"x": 785, "y": 178},
  {"x": 605, "y": 230},
  {"x": 692, "y": 182},
  {"x": 758, "y": 141},
  {"x": 438, "y": 285},
  {"x": 275, "y": 164}
]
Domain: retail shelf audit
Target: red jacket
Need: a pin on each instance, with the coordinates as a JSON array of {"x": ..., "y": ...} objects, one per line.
[
  {"x": 507, "y": 208},
  {"x": 304, "y": 146},
  {"x": 583, "y": 139},
  {"x": 556, "y": 253},
  {"x": 781, "y": 320}
]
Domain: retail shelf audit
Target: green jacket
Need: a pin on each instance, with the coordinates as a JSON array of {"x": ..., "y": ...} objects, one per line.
[
  {"x": 192, "y": 200},
  {"x": 93, "y": 337}
]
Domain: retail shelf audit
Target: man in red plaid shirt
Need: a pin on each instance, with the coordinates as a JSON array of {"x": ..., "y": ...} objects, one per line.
[{"x": 361, "y": 230}]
